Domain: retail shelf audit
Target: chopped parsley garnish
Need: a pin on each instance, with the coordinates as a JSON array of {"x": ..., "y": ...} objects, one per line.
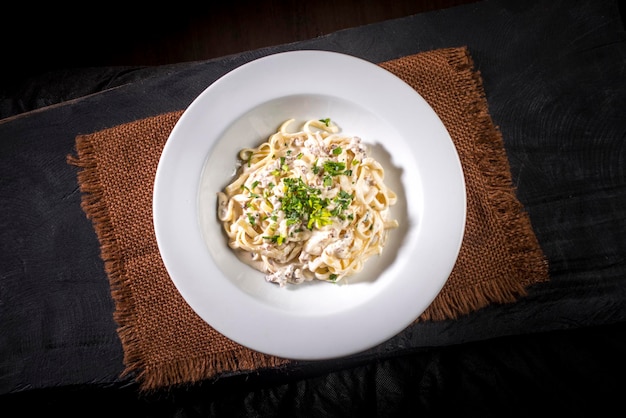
[
  {"x": 337, "y": 151},
  {"x": 276, "y": 239},
  {"x": 303, "y": 204},
  {"x": 342, "y": 202},
  {"x": 325, "y": 121},
  {"x": 251, "y": 195},
  {"x": 333, "y": 168},
  {"x": 283, "y": 166},
  {"x": 316, "y": 168},
  {"x": 343, "y": 199}
]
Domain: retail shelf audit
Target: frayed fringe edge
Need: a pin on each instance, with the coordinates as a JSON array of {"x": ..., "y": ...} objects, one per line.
[
  {"x": 96, "y": 210},
  {"x": 193, "y": 370},
  {"x": 492, "y": 160}
]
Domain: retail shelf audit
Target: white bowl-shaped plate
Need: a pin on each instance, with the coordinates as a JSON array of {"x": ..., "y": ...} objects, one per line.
[{"x": 315, "y": 320}]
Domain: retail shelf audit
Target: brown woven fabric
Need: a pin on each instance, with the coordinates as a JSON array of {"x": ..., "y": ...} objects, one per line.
[{"x": 166, "y": 343}]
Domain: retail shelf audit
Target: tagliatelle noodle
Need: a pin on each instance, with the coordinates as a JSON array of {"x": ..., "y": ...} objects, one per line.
[{"x": 307, "y": 205}]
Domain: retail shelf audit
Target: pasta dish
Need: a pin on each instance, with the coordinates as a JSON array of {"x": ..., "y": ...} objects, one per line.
[{"x": 307, "y": 205}]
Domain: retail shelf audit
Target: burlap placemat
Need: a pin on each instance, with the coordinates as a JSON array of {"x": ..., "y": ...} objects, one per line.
[{"x": 166, "y": 343}]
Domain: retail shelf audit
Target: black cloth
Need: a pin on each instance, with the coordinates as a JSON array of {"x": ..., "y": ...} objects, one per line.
[{"x": 554, "y": 77}]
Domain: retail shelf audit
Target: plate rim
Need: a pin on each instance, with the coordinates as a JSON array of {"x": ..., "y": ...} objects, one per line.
[{"x": 270, "y": 344}]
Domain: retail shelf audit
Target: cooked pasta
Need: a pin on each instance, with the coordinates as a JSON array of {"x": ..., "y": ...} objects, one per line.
[{"x": 307, "y": 205}]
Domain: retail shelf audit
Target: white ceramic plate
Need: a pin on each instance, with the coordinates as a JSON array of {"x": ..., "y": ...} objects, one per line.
[{"x": 315, "y": 320}]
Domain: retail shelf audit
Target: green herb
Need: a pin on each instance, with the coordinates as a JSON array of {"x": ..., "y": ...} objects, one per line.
[
  {"x": 303, "y": 204},
  {"x": 325, "y": 121},
  {"x": 332, "y": 277},
  {"x": 319, "y": 219},
  {"x": 251, "y": 195},
  {"x": 333, "y": 168},
  {"x": 276, "y": 239},
  {"x": 343, "y": 199},
  {"x": 316, "y": 168},
  {"x": 283, "y": 166},
  {"x": 342, "y": 202},
  {"x": 337, "y": 151}
]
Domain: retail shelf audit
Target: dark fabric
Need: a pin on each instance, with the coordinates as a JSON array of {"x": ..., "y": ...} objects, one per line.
[
  {"x": 554, "y": 76},
  {"x": 561, "y": 373}
]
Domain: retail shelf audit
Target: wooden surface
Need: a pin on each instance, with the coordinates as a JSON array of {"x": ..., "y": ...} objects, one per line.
[
  {"x": 239, "y": 26},
  {"x": 53, "y": 38}
]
